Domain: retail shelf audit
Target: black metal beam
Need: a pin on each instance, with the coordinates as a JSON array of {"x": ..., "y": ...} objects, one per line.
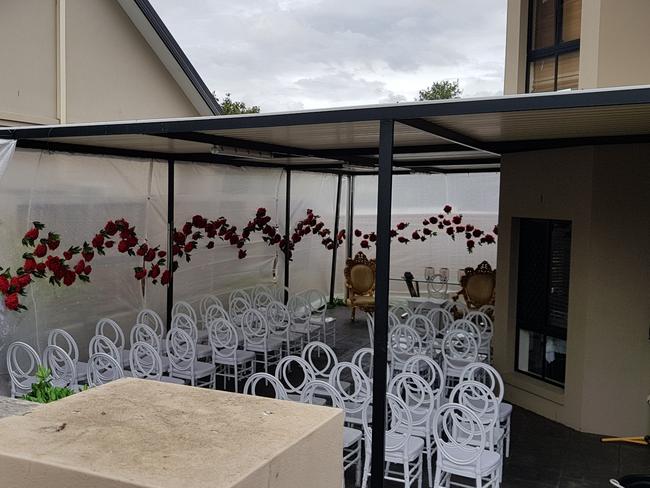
[
  {"x": 414, "y": 163},
  {"x": 287, "y": 229},
  {"x": 350, "y": 226},
  {"x": 380, "y": 356},
  {"x": 337, "y": 215},
  {"x": 464, "y": 170},
  {"x": 445, "y": 133},
  {"x": 427, "y": 148},
  {"x": 542, "y": 144},
  {"x": 170, "y": 240}
]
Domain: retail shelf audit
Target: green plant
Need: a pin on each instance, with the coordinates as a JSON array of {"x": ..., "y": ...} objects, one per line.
[
  {"x": 43, "y": 391},
  {"x": 337, "y": 302}
]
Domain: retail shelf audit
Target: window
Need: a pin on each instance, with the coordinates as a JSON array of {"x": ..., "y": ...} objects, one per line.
[
  {"x": 543, "y": 298},
  {"x": 553, "y": 45}
]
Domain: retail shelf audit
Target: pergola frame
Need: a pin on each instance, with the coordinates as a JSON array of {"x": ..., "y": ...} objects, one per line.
[{"x": 388, "y": 157}]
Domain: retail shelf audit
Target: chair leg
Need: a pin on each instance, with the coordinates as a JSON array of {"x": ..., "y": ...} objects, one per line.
[
  {"x": 436, "y": 481},
  {"x": 354, "y": 312}
]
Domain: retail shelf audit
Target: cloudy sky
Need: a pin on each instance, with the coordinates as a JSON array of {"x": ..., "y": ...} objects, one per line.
[{"x": 295, "y": 54}]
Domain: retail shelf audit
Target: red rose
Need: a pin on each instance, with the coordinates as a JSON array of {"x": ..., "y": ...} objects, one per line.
[
  {"x": 40, "y": 251},
  {"x": 415, "y": 235},
  {"x": 110, "y": 228},
  {"x": 31, "y": 235},
  {"x": 470, "y": 244},
  {"x": 457, "y": 219},
  {"x": 67, "y": 255},
  {"x": 199, "y": 221},
  {"x": 446, "y": 222},
  {"x": 495, "y": 230},
  {"x": 403, "y": 240},
  {"x": 88, "y": 256},
  {"x": 372, "y": 237},
  {"x": 365, "y": 244},
  {"x": 123, "y": 246},
  {"x": 460, "y": 229},
  {"x": 80, "y": 267},
  {"x": 29, "y": 265},
  {"x": 53, "y": 242},
  {"x": 53, "y": 263},
  {"x": 489, "y": 238},
  {"x": 425, "y": 222},
  {"x": 433, "y": 220},
  {"x": 210, "y": 245},
  {"x": 109, "y": 244},
  {"x": 140, "y": 273},
  {"x": 241, "y": 244},
  {"x": 179, "y": 238},
  {"x": 477, "y": 233},
  {"x": 358, "y": 233},
  {"x": 233, "y": 239},
  {"x": 132, "y": 241},
  {"x": 154, "y": 272},
  {"x": 40, "y": 267},
  {"x": 447, "y": 209},
  {"x": 261, "y": 212},
  {"x": 402, "y": 226},
  {"x": 393, "y": 233},
  {"x": 187, "y": 228},
  {"x": 242, "y": 254},
  {"x": 189, "y": 247},
  {"x": 142, "y": 250},
  {"x": 450, "y": 231},
  {"x": 165, "y": 277},
  {"x": 69, "y": 278},
  {"x": 296, "y": 238},
  {"x": 98, "y": 241},
  {"x": 4, "y": 285},
  {"x": 469, "y": 227},
  {"x": 15, "y": 284},
  {"x": 162, "y": 254},
  {"x": 150, "y": 255},
  {"x": 88, "y": 269},
  {"x": 12, "y": 302},
  {"x": 24, "y": 280},
  {"x": 427, "y": 232}
]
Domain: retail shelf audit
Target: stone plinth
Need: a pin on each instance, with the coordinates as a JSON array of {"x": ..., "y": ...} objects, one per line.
[{"x": 137, "y": 433}]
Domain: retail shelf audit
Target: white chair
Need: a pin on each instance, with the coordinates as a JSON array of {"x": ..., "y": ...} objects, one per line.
[
  {"x": 146, "y": 363},
  {"x": 148, "y": 317},
  {"x": 458, "y": 350},
  {"x": 313, "y": 352},
  {"x": 229, "y": 360},
  {"x": 61, "y": 338},
  {"x": 267, "y": 349},
  {"x": 184, "y": 308},
  {"x": 238, "y": 306},
  {"x": 461, "y": 442},
  {"x": 314, "y": 393},
  {"x": 110, "y": 329},
  {"x": 186, "y": 323},
  {"x": 144, "y": 333},
  {"x": 422, "y": 404},
  {"x": 355, "y": 394},
  {"x": 425, "y": 329},
  {"x": 471, "y": 329},
  {"x": 295, "y": 373},
  {"x": 301, "y": 319},
  {"x": 318, "y": 305},
  {"x": 262, "y": 299},
  {"x": 441, "y": 320},
  {"x": 205, "y": 303},
  {"x": 490, "y": 377},
  {"x": 279, "y": 321},
  {"x": 239, "y": 294},
  {"x": 403, "y": 343},
  {"x": 370, "y": 322},
  {"x": 100, "y": 344},
  {"x": 22, "y": 363},
  {"x": 401, "y": 446},
  {"x": 279, "y": 291},
  {"x": 250, "y": 388},
  {"x": 181, "y": 351},
  {"x": 484, "y": 324},
  {"x": 61, "y": 367},
  {"x": 362, "y": 358},
  {"x": 431, "y": 372},
  {"x": 401, "y": 312},
  {"x": 103, "y": 369}
]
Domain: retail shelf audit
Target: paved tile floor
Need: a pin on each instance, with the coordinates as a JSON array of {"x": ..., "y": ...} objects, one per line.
[{"x": 543, "y": 453}]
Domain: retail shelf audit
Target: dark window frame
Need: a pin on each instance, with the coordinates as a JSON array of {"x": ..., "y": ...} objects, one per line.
[
  {"x": 558, "y": 48},
  {"x": 547, "y": 330}
]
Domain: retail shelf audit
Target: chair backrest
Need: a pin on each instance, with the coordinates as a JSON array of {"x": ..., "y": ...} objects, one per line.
[
  {"x": 393, "y": 320},
  {"x": 278, "y": 318},
  {"x": 184, "y": 308},
  {"x": 317, "y": 301},
  {"x": 60, "y": 364},
  {"x": 145, "y": 361},
  {"x": 401, "y": 422},
  {"x": 488, "y": 310},
  {"x": 358, "y": 392},
  {"x": 206, "y": 302},
  {"x": 459, "y": 435},
  {"x": 110, "y": 329},
  {"x": 401, "y": 312},
  {"x": 484, "y": 324},
  {"x": 181, "y": 349},
  {"x": 22, "y": 363},
  {"x": 261, "y": 288},
  {"x": 321, "y": 358},
  {"x": 300, "y": 310},
  {"x": 152, "y": 319},
  {"x": 417, "y": 395},
  {"x": 363, "y": 358},
  {"x": 425, "y": 307},
  {"x": 279, "y": 291},
  {"x": 185, "y": 322},
  {"x": 360, "y": 274},
  {"x": 61, "y": 338},
  {"x": 250, "y": 388},
  {"x": 478, "y": 285},
  {"x": 294, "y": 373},
  {"x": 103, "y": 369},
  {"x": 370, "y": 322},
  {"x": 428, "y": 369},
  {"x": 241, "y": 295},
  {"x": 457, "y": 345},
  {"x": 262, "y": 299},
  {"x": 469, "y": 328},
  {"x": 144, "y": 333},
  {"x": 254, "y": 327},
  {"x": 320, "y": 389},
  {"x": 423, "y": 326},
  {"x": 102, "y": 344},
  {"x": 223, "y": 339},
  {"x": 486, "y": 374},
  {"x": 403, "y": 343},
  {"x": 441, "y": 320},
  {"x": 215, "y": 312},
  {"x": 480, "y": 400},
  {"x": 238, "y": 306}
]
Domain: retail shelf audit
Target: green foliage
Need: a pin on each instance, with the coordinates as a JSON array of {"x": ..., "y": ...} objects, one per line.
[
  {"x": 43, "y": 391},
  {"x": 233, "y": 107},
  {"x": 441, "y": 90},
  {"x": 338, "y": 302}
]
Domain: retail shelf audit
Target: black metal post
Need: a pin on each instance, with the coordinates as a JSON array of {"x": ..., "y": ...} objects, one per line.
[
  {"x": 384, "y": 204},
  {"x": 170, "y": 241},
  {"x": 287, "y": 227},
  {"x": 350, "y": 231},
  {"x": 337, "y": 215}
]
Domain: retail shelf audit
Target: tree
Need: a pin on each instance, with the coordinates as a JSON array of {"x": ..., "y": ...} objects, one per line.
[
  {"x": 233, "y": 107},
  {"x": 441, "y": 90}
]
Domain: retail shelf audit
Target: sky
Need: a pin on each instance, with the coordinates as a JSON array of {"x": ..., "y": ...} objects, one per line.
[{"x": 304, "y": 54}]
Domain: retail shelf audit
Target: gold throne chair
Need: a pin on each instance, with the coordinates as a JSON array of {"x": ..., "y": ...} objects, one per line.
[{"x": 360, "y": 275}]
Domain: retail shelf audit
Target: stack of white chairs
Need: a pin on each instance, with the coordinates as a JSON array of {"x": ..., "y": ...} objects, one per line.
[
  {"x": 183, "y": 363},
  {"x": 229, "y": 360},
  {"x": 187, "y": 323},
  {"x": 110, "y": 329}
]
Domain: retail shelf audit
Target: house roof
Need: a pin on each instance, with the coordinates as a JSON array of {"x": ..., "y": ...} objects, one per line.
[
  {"x": 449, "y": 136},
  {"x": 160, "y": 39}
]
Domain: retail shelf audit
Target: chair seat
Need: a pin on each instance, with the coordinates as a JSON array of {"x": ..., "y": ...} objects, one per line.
[
  {"x": 241, "y": 357},
  {"x": 505, "y": 410},
  {"x": 319, "y": 320},
  {"x": 362, "y": 301},
  {"x": 455, "y": 368},
  {"x": 305, "y": 328},
  {"x": 203, "y": 351},
  {"x": 169, "y": 379},
  {"x": 351, "y": 436},
  {"x": 294, "y": 397},
  {"x": 272, "y": 344},
  {"x": 414, "y": 449},
  {"x": 488, "y": 462},
  {"x": 201, "y": 369},
  {"x": 293, "y": 336}
]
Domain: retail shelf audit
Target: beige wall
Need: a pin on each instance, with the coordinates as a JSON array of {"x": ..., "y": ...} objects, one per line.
[
  {"x": 608, "y": 350},
  {"x": 516, "y": 47},
  {"x": 80, "y": 61}
]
